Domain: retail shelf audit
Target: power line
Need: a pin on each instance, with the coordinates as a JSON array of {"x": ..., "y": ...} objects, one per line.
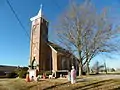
[
  {"x": 20, "y": 23},
  {"x": 17, "y": 18}
]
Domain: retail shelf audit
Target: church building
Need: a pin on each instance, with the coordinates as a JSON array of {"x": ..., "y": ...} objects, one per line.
[{"x": 45, "y": 55}]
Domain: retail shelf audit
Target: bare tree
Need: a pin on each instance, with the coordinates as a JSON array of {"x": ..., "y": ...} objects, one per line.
[{"x": 86, "y": 33}]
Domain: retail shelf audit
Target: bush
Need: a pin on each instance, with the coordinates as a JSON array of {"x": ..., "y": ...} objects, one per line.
[
  {"x": 21, "y": 72},
  {"x": 112, "y": 70}
]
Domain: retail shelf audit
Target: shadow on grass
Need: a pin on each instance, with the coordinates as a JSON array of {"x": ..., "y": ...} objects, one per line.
[
  {"x": 56, "y": 85},
  {"x": 31, "y": 86},
  {"x": 95, "y": 84},
  {"x": 51, "y": 87}
]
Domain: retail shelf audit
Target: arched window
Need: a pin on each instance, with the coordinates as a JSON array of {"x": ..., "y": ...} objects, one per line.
[
  {"x": 64, "y": 63},
  {"x": 34, "y": 63}
]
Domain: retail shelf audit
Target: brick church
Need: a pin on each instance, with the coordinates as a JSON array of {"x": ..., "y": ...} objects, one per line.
[{"x": 45, "y": 55}]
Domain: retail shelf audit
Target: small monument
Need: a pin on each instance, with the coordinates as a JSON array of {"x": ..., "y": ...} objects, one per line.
[
  {"x": 73, "y": 75},
  {"x": 33, "y": 71}
]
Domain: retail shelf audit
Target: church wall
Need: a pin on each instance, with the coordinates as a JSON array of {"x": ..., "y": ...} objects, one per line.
[
  {"x": 49, "y": 59},
  {"x": 54, "y": 60},
  {"x": 64, "y": 63},
  {"x": 30, "y": 59},
  {"x": 39, "y": 39},
  {"x": 43, "y": 55},
  {"x": 68, "y": 63},
  {"x": 34, "y": 44},
  {"x": 59, "y": 62}
]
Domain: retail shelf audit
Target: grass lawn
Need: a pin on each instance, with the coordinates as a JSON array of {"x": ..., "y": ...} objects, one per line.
[{"x": 83, "y": 83}]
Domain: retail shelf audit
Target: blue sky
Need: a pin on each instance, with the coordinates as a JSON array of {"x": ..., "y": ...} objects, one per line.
[{"x": 14, "y": 43}]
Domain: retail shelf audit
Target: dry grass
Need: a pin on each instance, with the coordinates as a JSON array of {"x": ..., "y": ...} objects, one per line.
[{"x": 84, "y": 83}]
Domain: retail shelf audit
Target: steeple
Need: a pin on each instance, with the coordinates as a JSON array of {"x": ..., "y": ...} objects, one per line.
[
  {"x": 40, "y": 11},
  {"x": 38, "y": 15}
]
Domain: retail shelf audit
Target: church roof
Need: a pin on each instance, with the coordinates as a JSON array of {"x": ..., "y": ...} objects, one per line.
[
  {"x": 57, "y": 47},
  {"x": 61, "y": 50}
]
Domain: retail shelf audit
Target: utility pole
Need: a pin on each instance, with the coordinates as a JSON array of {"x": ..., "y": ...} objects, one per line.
[{"x": 105, "y": 66}]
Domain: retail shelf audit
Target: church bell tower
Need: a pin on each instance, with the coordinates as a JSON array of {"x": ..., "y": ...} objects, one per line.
[{"x": 38, "y": 42}]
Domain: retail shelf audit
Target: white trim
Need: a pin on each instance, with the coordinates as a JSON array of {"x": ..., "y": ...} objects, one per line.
[
  {"x": 38, "y": 15},
  {"x": 40, "y": 11},
  {"x": 35, "y": 17},
  {"x": 53, "y": 48}
]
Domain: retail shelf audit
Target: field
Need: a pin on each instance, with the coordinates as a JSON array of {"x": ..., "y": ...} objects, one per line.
[{"x": 100, "y": 82}]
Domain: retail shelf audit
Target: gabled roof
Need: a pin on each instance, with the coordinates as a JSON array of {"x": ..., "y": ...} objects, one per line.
[
  {"x": 58, "y": 48},
  {"x": 61, "y": 50}
]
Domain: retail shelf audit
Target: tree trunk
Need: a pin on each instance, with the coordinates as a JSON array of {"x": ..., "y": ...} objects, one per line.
[
  {"x": 80, "y": 70},
  {"x": 88, "y": 68}
]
